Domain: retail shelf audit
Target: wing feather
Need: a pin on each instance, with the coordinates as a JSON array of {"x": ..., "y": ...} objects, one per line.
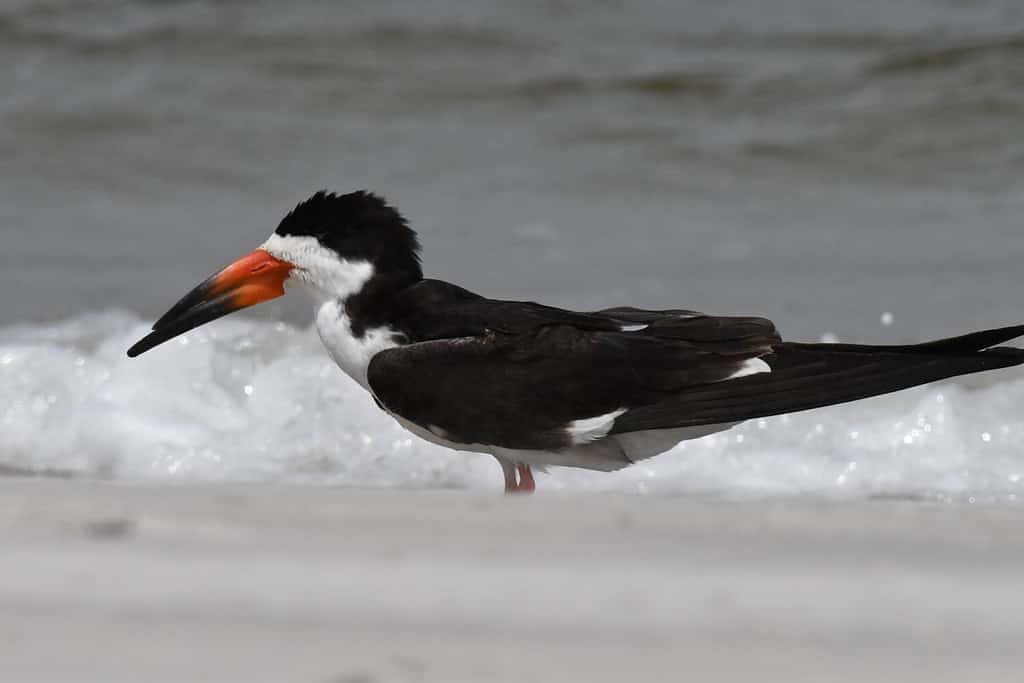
[
  {"x": 529, "y": 390},
  {"x": 806, "y": 376},
  {"x": 522, "y": 375}
]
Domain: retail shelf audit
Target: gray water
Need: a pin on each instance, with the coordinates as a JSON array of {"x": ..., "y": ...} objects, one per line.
[
  {"x": 825, "y": 163},
  {"x": 816, "y": 161}
]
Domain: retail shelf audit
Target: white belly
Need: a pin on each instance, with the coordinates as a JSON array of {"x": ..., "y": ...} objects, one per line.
[
  {"x": 611, "y": 452},
  {"x": 437, "y": 436},
  {"x": 606, "y": 454}
]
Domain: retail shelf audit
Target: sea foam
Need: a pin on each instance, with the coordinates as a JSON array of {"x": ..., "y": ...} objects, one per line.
[{"x": 249, "y": 400}]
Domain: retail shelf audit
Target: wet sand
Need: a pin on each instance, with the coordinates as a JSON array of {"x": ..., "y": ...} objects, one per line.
[{"x": 113, "y": 582}]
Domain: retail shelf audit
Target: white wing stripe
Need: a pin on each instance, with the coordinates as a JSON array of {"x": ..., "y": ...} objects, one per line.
[
  {"x": 592, "y": 428},
  {"x": 753, "y": 366}
]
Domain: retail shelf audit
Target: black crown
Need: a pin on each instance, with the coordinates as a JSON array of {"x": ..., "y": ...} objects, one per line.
[{"x": 357, "y": 226}]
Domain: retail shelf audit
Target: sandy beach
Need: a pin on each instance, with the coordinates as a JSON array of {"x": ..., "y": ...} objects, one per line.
[{"x": 115, "y": 582}]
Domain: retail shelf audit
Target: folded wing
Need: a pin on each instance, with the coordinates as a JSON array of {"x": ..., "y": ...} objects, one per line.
[
  {"x": 551, "y": 385},
  {"x": 520, "y": 375}
]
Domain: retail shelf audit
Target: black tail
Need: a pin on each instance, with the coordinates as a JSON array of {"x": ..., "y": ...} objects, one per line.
[{"x": 806, "y": 376}]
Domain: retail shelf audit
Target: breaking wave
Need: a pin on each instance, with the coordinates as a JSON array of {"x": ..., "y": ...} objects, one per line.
[{"x": 248, "y": 400}]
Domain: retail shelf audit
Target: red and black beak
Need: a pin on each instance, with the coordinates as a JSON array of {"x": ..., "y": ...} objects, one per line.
[{"x": 248, "y": 281}]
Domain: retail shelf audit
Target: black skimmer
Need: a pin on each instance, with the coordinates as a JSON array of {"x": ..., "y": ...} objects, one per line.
[{"x": 534, "y": 385}]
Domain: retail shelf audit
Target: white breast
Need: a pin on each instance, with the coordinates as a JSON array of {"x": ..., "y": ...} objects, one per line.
[{"x": 351, "y": 353}]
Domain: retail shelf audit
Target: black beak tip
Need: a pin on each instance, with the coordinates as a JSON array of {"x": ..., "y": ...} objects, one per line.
[
  {"x": 186, "y": 316},
  {"x": 139, "y": 348}
]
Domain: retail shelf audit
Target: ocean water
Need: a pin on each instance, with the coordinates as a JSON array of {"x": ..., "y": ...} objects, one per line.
[{"x": 822, "y": 163}]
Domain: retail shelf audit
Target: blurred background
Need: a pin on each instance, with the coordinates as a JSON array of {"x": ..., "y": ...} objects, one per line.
[
  {"x": 820, "y": 162},
  {"x": 852, "y": 170}
]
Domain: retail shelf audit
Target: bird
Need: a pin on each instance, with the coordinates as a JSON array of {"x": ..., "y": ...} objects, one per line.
[{"x": 535, "y": 385}]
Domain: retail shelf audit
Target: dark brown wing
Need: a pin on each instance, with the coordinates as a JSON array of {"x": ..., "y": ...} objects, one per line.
[
  {"x": 527, "y": 376},
  {"x": 518, "y": 374},
  {"x": 433, "y": 309}
]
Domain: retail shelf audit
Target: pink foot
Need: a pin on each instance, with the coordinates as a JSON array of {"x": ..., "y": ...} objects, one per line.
[{"x": 524, "y": 484}]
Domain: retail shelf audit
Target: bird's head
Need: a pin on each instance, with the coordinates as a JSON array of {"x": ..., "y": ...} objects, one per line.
[{"x": 335, "y": 246}]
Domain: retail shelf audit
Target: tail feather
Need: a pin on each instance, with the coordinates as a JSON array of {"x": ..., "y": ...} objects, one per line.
[
  {"x": 966, "y": 343},
  {"x": 806, "y": 376},
  {"x": 975, "y": 341}
]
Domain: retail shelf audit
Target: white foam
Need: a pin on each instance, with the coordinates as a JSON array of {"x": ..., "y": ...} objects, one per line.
[{"x": 244, "y": 400}]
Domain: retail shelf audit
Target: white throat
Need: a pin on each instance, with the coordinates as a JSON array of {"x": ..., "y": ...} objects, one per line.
[
  {"x": 352, "y": 353},
  {"x": 331, "y": 280}
]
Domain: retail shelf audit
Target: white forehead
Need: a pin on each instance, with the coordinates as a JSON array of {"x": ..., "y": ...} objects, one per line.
[
  {"x": 294, "y": 248},
  {"x": 317, "y": 266}
]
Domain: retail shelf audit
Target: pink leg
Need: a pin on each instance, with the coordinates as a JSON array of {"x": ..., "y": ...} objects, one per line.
[
  {"x": 526, "y": 483},
  {"x": 511, "y": 486},
  {"x": 523, "y": 484}
]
